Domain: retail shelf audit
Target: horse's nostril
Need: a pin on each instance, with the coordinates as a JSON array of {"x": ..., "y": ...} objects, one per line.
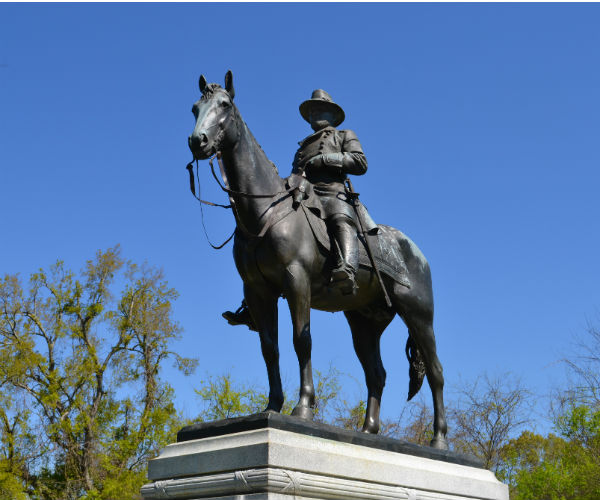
[{"x": 197, "y": 142}]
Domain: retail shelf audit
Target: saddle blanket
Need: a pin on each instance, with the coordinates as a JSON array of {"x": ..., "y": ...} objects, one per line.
[{"x": 382, "y": 240}]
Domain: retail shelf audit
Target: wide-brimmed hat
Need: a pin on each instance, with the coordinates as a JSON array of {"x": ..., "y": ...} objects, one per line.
[{"x": 322, "y": 99}]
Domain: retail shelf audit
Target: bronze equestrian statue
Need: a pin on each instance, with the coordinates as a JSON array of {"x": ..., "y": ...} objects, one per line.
[{"x": 287, "y": 233}]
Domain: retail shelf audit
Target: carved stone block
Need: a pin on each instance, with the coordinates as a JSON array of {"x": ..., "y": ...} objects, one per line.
[{"x": 265, "y": 457}]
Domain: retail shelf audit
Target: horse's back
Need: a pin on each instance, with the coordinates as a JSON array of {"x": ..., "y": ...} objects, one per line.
[{"x": 409, "y": 251}]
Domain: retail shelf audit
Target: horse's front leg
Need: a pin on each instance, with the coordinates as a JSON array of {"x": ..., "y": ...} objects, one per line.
[
  {"x": 263, "y": 308},
  {"x": 297, "y": 286}
]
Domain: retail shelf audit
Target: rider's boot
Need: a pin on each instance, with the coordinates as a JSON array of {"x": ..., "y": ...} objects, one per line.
[
  {"x": 343, "y": 275},
  {"x": 240, "y": 317}
]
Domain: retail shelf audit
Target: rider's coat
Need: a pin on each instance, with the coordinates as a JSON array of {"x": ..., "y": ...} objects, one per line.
[{"x": 342, "y": 155}]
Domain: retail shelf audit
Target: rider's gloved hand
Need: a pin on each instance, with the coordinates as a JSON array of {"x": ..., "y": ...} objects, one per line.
[
  {"x": 315, "y": 162},
  {"x": 333, "y": 160},
  {"x": 329, "y": 161}
]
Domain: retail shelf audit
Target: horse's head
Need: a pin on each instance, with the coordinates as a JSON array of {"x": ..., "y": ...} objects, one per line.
[{"x": 216, "y": 123}]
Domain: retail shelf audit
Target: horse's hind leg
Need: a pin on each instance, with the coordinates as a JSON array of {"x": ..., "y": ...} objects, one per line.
[
  {"x": 297, "y": 291},
  {"x": 366, "y": 334},
  {"x": 418, "y": 316},
  {"x": 263, "y": 308}
]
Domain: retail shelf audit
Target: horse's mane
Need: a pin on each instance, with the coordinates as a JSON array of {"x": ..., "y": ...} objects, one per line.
[{"x": 209, "y": 91}]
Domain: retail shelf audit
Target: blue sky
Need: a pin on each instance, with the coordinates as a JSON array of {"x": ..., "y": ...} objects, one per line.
[{"x": 481, "y": 124}]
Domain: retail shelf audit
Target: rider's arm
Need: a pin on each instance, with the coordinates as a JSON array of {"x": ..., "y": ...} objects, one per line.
[
  {"x": 298, "y": 165},
  {"x": 351, "y": 160}
]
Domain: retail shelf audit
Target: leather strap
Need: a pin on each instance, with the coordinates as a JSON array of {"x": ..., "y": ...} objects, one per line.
[
  {"x": 271, "y": 219},
  {"x": 190, "y": 169}
]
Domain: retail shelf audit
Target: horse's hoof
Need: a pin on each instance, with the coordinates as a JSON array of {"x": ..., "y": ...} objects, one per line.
[
  {"x": 269, "y": 410},
  {"x": 370, "y": 428},
  {"x": 303, "y": 412},
  {"x": 439, "y": 443}
]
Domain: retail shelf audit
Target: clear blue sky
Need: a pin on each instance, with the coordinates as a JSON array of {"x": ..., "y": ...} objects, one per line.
[{"x": 481, "y": 124}]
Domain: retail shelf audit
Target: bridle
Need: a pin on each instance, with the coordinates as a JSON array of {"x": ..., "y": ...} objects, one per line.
[{"x": 225, "y": 184}]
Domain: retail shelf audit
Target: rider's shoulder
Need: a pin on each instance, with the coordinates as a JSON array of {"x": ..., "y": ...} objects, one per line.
[{"x": 348, "y": 134}]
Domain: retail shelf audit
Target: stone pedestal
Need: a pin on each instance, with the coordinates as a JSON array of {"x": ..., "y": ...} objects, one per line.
[{"x": 270, "y": 456}]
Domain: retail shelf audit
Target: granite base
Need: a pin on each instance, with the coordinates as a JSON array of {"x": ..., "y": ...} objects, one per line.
[{"x": 276, "y": 457}]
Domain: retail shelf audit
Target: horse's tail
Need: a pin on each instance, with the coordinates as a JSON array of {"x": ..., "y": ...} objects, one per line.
[{"x": 416, "y": 370}]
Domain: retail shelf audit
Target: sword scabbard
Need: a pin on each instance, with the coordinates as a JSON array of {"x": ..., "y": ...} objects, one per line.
[{"x": 354, "y": 196}]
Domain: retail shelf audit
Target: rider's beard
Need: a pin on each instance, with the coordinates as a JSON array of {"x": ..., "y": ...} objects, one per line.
[{"x": 319, "y": 124}]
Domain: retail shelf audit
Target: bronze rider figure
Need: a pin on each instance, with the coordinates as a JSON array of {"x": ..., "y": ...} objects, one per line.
[{"x": 324, "y": 159}]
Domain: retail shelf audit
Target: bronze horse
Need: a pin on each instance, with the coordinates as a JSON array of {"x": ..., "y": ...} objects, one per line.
[{"x": 276, "y": 254}]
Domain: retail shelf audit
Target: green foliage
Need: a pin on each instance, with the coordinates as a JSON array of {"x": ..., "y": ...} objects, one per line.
[
  {"x": 83, "y": 405},
  {"x": 85, "y": 351},
  {"x": 567, "y": 466},
  {"x": 223, "y": 398},
  {"x": 11, "y": 486},
  {"x": 554, "y": 467},
  {"x": 529, "y": 452},
  {"x": 327, "y": 392},
  {"x": 351, "y": 417},
  {"x": 581, "y": 424}
]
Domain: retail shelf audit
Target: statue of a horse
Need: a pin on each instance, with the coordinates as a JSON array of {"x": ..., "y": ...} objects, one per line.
[{"x": 276, "y": 254}]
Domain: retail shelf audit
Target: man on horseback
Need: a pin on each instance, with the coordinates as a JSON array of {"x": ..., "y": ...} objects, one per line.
[{"x": 324, "y": 159}]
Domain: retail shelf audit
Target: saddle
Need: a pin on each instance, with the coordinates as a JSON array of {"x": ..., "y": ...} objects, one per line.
[{"x": 382, "y": 241}]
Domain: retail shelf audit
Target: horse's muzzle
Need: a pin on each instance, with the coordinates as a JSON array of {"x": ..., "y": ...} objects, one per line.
[{"x": 198, "y": 145}]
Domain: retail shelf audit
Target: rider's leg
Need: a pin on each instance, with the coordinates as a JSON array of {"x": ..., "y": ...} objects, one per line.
[
  {"x": 240, "y": 317},
  {"x": 343, "y": 229}
]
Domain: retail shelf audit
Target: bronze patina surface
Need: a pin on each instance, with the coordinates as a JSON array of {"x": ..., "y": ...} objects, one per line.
[{"x": 277, "y": 253}]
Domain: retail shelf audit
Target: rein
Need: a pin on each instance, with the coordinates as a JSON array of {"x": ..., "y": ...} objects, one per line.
[
  {"x": 230, "y": 192},
  {"x": 190, "y": 169}
]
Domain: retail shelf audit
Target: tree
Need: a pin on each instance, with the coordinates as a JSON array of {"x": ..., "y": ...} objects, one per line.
[
  {"x": 532, "y": 466},
  {"x": 87, "y": 361},
  {"x": 351, "y": 417},
  {"x": 487, "y": 413},
  {"x": 555, "y": 467},
  {"x": 584, "y": 369},
  {"x": 567, "y": 465},
  {"x": 18, "y": 447},
  {"x": 416, "y": 423},
  {"x": 225, "y": 398},
  {"x": 327, "y": 394}
]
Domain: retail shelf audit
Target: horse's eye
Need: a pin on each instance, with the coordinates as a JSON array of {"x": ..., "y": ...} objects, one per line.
[{"x": 225, "y": 104}]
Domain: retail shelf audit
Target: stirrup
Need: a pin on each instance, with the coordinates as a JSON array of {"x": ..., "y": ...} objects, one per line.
[
  {"x": 343, "y": 279},
  {"x": 240, "y": 317}
]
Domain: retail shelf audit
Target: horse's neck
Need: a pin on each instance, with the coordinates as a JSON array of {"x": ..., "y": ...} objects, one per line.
[{"x": 249, "y": 171}]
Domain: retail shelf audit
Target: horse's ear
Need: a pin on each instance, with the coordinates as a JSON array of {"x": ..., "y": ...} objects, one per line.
[
  {"x": 202, "y": 83},
  {"x": 229, "y": 84}
]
